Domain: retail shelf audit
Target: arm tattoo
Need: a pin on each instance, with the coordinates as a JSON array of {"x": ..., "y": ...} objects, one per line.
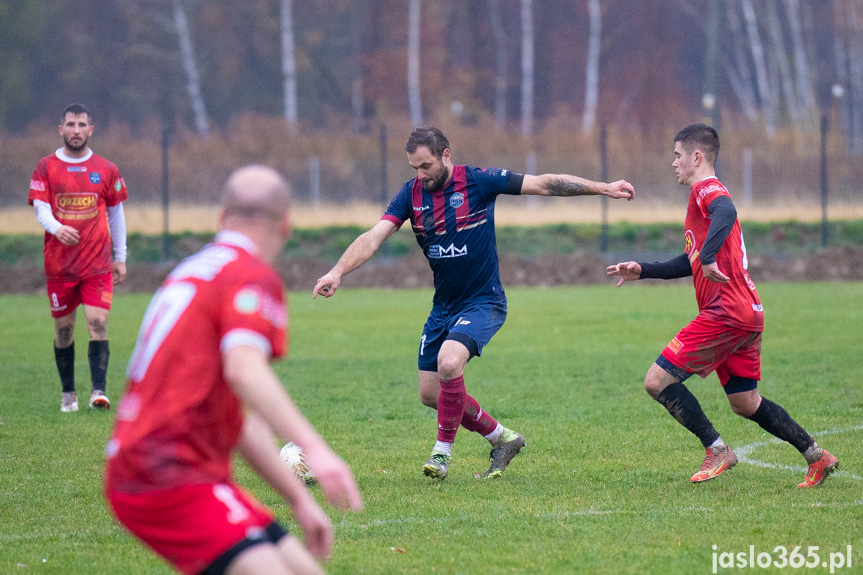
[{"x": 560, "y": 187}]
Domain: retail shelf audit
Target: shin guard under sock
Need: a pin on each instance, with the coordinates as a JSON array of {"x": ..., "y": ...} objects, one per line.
[
  {"x": 684, "y": 407},
  {"x": 475, "y": 418},
  {"x": 98, "y": 354},
  {"x": 65, "y": 359},
  {"x": 450, "y": 408},
  {"x": 775, "y": 420}
]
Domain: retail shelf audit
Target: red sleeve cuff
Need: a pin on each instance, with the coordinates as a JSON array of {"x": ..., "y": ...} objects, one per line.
[{"x": 390, "y": 218}]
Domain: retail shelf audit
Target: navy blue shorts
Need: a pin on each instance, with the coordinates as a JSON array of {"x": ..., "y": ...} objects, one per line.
[{"x": 473, "y": 325}]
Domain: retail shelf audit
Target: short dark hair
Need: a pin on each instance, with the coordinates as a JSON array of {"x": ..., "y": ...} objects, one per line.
[
  {"x": 429, "y": 137},
  {"x": 76, "y": 110},
  {"x": 701, "y": 137}
]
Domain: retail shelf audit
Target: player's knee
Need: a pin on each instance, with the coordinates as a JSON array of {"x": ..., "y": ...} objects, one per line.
[
  {"x": 98, "y": 328},
  {"x": 428, "y": 398},
  {"x": 449, "y": 367},
  {"x": 744, "y": 408},
  {"x": 65, "y": 336},
  {"x": 653, "y": 385}
]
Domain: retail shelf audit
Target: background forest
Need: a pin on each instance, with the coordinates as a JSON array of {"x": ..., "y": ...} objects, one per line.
[{"x": 530, "y": 85}]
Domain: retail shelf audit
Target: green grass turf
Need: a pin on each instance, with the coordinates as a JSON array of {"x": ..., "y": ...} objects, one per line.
[{"x": 603, "y": 485}]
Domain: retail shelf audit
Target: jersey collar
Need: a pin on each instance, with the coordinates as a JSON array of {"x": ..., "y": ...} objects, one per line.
[
  {"x": 61, "y": 155},
  {"x": 712, "y": 177},
  {"x": 237, "y": 239}
]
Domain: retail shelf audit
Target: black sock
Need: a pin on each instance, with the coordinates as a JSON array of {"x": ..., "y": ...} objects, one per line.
[
  {"x": 684, "y": 407},
  {"x": 65, "y": 359},
  {"x": 98, "y": 355},
  {"x": 775, "y": 420}
]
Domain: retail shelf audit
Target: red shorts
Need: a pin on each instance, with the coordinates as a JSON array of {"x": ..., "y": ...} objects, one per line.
[
  {"x": 95, "y": 291},
  {"x": 192, "y": 525},
  {"x": 705, "y": 346}
]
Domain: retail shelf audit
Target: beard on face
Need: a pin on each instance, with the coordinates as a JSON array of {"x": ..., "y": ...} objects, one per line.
[
  {"x": 75, "y": 147},
  {"x": 437, "y": 181}
]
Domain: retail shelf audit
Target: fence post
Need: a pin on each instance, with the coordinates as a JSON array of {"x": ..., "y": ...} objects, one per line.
[
  {"x": 384, "y": 175},
  {"x": 603, "y": 159},
  {"x": 166, "y": 200},
  {"x": 530, "y": 168},
  {"x": 825, "y": 126},
  {"x": 315, "y": 181}
]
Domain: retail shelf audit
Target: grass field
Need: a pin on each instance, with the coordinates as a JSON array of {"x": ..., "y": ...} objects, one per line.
[{"x": 602, "y": 486}]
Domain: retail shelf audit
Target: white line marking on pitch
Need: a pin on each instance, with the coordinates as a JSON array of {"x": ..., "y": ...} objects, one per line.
[{"x": 744, "y": 452}]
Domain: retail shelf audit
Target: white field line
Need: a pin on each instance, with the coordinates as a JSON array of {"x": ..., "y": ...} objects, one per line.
[
  {"x": 745, "y": 451},
  {"x": 743, "y": 454}
]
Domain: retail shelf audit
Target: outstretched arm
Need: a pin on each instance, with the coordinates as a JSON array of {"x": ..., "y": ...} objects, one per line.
[
  {"x": 249, "y": 374},
  {"x": 358, "y": 253},
  {"x": 568, "y": 185},
  {"x": 677, "y": 267},
  {"x": 257, "y": 448}
]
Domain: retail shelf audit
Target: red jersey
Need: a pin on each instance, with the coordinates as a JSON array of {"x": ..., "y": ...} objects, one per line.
[
  {"x": 79, "y": 191},
  {"x": 735, "y": 303},
  {"x": 179, "y": 419}
]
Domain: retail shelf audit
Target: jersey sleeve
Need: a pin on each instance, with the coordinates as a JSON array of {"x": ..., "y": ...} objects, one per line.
[
  {"x": 495, "y": 181},
  {"x": 253, "y": 313},
  {"x": 117, "y": 192},
  {"x": 399, "y": 210},
  {"x": 708, "y": 194},
  {"x": 39, "y": 188}
]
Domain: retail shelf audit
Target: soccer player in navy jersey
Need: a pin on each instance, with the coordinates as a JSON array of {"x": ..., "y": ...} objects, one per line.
[
  {"x": 726, "y": 335},
  {"x": 451, "y": 212}
]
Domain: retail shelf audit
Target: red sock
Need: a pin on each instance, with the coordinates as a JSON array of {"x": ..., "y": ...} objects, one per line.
[
  {"x": 450, "y": 408},
  {"x": 476, "y": 419}
]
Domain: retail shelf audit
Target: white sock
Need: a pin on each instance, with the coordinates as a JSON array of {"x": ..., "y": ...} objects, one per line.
[
  {"x": 717, "y": 443},
  {"x": 442, "y": 447},
  {"x": 494, "y": 436}
]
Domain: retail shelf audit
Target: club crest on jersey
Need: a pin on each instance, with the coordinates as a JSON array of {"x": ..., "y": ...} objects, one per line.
[
  {"x": 456, "y": 200},
  {"x": 95, "y": 177},
  {"x": 247, "y": 301},
  {"x": 689, "y": 242}
]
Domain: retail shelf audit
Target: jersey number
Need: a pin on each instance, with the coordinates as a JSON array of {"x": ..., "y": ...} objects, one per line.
[
  {"x": 162, "y": 315},
  {"x": 743, "y": 249}
]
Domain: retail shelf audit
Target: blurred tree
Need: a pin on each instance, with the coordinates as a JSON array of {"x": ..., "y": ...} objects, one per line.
[
  {"x": 527, "y": 67},
  {"x": 190, "y": 65},
  {"x": 350, "y": 58},
  {"x": 20, "y": 44},
  {"x": 501, "y": 62},
  {"x": 591, "y": 80},
  {"x": 414, "y": 63},
  {"x": 289, "y": 62}
]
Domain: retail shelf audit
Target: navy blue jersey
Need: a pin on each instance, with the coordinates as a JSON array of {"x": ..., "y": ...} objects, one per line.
[{"x": 455, "y": 229}]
